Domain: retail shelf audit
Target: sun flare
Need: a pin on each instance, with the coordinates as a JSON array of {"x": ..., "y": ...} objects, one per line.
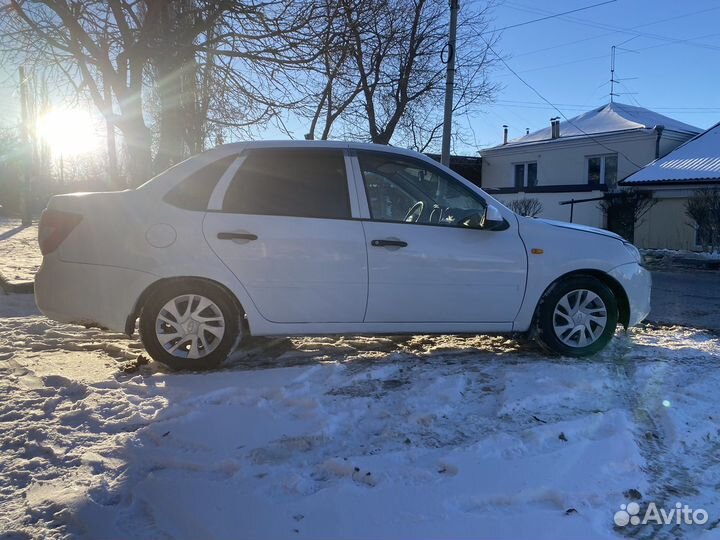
[{"x": 68, "y": 131}]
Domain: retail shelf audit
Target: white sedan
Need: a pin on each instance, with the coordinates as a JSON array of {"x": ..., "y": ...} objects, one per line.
[{"x": 308, "y": 238}]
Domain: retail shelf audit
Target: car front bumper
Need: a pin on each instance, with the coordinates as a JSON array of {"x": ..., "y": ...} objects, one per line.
[
  {"x": 88, "y": 294},
  {"x": 637, "y": 283}
]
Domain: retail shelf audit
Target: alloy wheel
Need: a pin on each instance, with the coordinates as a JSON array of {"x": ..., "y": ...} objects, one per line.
[
  {"x": 190, "y": 326},
  {"x": 579, "y": 318}
]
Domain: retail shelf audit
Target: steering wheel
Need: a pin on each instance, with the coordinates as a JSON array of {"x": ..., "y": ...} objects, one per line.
[{"x": 416, "y": 210}]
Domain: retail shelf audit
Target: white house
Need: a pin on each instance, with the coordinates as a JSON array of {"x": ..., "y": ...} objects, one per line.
[
  {"x": 580, "y": 159},
  {"x": 671, "y": 180}
]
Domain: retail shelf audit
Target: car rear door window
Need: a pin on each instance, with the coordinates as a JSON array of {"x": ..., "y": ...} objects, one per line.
[
  {"x": 290, "y": 182},
  {"x": 194, "y": 192}
]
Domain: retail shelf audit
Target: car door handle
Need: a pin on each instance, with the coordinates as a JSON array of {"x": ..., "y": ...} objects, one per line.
[
  {"x": 236, "y": 236},
  {"x": 388, "y": 243}
]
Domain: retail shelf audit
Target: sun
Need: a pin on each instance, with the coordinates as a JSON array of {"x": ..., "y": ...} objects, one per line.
[{"x": 68, "y": 132}]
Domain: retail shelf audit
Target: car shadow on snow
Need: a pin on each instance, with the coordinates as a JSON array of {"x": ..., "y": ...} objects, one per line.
[
  {"x": 645, "y": 343},
  {"x": 264, "y": 353}
]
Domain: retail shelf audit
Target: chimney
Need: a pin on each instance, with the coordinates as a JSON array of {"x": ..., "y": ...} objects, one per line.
[
  {"x": 527, "y": 131},
  {"x": 505, "y": 131},
  {"x": 555, "y": 127}
]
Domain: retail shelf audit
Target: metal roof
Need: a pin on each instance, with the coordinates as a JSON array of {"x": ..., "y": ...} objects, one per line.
[{"x": 696, "y": 161}]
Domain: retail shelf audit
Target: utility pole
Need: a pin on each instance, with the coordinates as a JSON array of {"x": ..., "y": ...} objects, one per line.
[
  {"x": 449, "y": 84},
  {"x": 27, "y": 153}
]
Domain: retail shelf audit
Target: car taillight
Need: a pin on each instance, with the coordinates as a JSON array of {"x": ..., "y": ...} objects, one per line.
[{"x": 54, "y": 227}]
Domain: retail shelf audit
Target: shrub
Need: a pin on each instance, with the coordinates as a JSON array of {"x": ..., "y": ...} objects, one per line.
[
  {"x": 703, "y": 208},
  {"x": 526, "y": 206}
]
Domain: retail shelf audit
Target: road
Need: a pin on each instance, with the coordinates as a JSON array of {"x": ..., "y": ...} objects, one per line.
[{"x": 688, "y": 298}]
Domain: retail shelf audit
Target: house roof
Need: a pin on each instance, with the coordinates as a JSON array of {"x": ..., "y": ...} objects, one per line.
[
  {"x": 696, "y": 161},
  {"x": 609, "y": 118}
]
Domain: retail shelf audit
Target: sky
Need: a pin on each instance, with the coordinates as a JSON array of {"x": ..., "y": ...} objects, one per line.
[{"x": 666, "y": 60}]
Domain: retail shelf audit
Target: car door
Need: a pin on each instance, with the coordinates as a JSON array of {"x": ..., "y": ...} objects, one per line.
[
  {"x": 427, "y": 263},
  {"x": 283, "y": 225}
]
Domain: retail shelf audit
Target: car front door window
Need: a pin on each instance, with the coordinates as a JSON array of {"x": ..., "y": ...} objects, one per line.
[{"x": 406, "y": 190}]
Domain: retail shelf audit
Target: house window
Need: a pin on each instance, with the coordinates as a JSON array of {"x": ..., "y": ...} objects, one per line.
[
  {"x": 525, "y": 174},
  {"x": 602, "y": 170}
]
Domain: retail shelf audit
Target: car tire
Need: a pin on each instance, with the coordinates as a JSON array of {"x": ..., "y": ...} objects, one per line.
[
  {"x": 190, "y": 325},
  {"x": 576, "y": 317}
]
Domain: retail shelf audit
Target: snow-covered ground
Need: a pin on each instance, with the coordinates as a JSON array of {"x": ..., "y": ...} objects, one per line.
[
  {"x": 20, "y": 257},
  {"x": 375, "y": 437},
  {"x": 670, "y": 254}
]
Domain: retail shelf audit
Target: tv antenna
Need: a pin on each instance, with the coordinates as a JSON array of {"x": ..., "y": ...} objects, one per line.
[
  {"x": 613, "y": 80},
  {"x": 612, "y": 73}
]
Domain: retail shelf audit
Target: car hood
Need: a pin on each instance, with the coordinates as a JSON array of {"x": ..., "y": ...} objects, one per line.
[{"x": 582, "y": 228}]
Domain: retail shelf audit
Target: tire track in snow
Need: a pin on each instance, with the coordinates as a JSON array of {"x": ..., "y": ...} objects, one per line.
[{"x": 674, "y": 473}]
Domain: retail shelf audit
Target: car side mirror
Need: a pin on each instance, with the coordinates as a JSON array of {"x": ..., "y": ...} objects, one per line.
[{"x": 492, "y": 219}]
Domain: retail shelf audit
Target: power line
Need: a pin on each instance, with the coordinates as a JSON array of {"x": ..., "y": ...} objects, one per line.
[
  {"x": 531, "y": 87},
  {"x": 629, "y": 93},
  {"x": 554, "y": 16},
  {"x": 651, "y": 23},
  {"x": 604, "y": 26},
  {"x": 601, "y": 56},
  {"x": 578, "y": 107}
]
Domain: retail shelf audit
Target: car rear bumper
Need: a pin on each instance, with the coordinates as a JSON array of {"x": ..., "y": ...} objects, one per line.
[
  {"x": 88, "y": 293},
  {"x": 637, "y": 283}
]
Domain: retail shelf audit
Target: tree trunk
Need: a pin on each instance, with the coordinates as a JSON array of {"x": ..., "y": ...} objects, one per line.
[
  {"x": 171, "y": 141},
  {"x": 138, "y": 143}
]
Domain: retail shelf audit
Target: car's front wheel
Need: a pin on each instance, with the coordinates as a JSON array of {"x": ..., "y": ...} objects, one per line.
[
  {"x": 577, "y": 316},
  {"x": 189, "y": 325}
]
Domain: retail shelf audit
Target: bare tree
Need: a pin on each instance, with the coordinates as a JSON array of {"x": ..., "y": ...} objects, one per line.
[
  {"x": 180, "y": 69},
  {"x": 257, "y": 54},
  {"x": 381, "y": 71},
  {"x": 625, "y": 210},
  {"x": 703, "y": 208},
  {"x": 527, "y": 206},
  {"x": 223, "y": 65},
  {"x": 93, "y": 44},
  {"x": 338, "y": 87}
]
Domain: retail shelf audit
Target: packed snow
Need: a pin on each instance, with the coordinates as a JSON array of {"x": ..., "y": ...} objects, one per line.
[
  {"x": 352, "y": 437},
  {"x": 674, "y": 254}
]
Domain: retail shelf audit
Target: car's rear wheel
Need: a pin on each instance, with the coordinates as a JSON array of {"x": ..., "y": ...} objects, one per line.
[
  {"x": 577, "y": 316},
  {"x": 189, "y": 325}
]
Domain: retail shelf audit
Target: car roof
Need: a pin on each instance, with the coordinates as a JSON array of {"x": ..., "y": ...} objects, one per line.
[{"x": 238, "y": 146}]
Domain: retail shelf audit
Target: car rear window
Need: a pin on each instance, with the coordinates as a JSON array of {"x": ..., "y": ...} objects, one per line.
[
  {"x": 194, "y": 192},
  {"x": 290, "y": 182}
]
